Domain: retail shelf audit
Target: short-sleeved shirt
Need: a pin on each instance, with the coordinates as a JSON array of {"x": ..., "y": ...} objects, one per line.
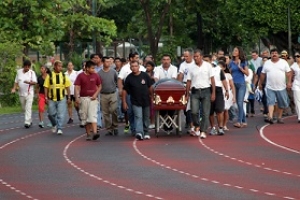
[
  {"x": 256, "y": 63},
  {"x": 237, "y": 74},
  {"x": 24, "y": 88},
  {"x": 72, "y": 76},
  {"x": 219, "y": 76},
  {"x": 57, "y": 84},
  {"x": 109, "y": 80},
  {"x": 138, "y": 88},
  {"x": 40, "y": 82},
  {"x": 184, "y": 68},
  {"x": 125, "y": 71},
  {"x": 161, "y": 73},
  {"x": 296, "y": 83},
  {"x": 200, "y": 75},
  {"x": 276, "y": 74},
  {"x": 88, "y": 84}
]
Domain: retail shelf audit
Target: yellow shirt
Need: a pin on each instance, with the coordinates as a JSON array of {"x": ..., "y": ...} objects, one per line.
[{"x": 56, "y": 86}]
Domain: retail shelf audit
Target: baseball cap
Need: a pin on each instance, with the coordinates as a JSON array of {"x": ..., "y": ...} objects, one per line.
[{"x": 284, "y": 53}]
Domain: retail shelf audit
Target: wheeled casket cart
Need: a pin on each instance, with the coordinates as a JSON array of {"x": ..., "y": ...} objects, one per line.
[{"x": 169, "y": 100}]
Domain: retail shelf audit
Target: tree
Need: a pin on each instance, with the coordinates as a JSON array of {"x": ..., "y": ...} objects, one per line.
[{"x": 30, "y": 23}]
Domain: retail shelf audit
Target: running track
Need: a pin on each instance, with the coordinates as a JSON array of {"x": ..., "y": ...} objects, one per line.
[{"x": 258, "y": 162}]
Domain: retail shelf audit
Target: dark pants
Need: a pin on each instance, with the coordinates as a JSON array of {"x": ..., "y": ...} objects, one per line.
[{"x": 250, "y": 106}]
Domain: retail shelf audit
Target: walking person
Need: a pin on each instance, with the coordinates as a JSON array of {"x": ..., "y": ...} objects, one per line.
[
  {"x": 108, "y": 101},
  {"x": 201, "y": 82},
  {"x": 296, "y": 84},
  {"x": 40, "y": 92},
  {"x": 238, "y": 67},
  {"x": 72, "y": 74},
  {"x": 56, "y": 85},
  {"x": 87, "y": 88},
  {"x": 138, "y": 85},
  {"x": 24, "y": 82},
  {"x": 278, "y": 75}
]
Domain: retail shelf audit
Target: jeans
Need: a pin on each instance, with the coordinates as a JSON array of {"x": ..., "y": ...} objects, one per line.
[
  {"x": 201, "y": 100},
  {"x": 141, "y": 119},
  {"x": 130, "y": 114},
  {"x": 240, "y": 90},
  {"x": 99, "y": 114},
  {"x": 26, "y": 103},
  {"x": 120, "y": 113},
  {"x": 57, "y": 112}
]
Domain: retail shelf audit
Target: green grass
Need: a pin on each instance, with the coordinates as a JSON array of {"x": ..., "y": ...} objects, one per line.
[{"x": 15, "y": 109}]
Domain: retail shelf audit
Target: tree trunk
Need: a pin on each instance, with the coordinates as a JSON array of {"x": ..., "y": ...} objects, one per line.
[{"x": 200, "y": 41}]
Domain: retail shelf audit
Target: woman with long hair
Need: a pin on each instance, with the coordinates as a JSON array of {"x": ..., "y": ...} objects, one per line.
[{"x": 238, "y": 67}]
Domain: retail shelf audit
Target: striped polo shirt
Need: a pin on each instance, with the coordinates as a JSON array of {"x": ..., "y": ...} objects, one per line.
[{"x": 56, "y": 84}]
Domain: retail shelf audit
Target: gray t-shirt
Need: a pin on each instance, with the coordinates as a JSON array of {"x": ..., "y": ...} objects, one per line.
[{"x": 109, "y": 80}]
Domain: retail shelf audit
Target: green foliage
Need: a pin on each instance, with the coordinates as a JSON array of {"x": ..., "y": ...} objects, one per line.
[{"x": 9, "y": 51}]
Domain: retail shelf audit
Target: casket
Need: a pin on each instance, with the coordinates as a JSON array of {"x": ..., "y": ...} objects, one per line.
[{"x": 169, "y": 94}]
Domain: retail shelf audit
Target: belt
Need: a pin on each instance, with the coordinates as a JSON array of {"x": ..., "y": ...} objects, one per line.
[
  {"x": 203, "y": 88},
  {"x": 107, "y": 92}
]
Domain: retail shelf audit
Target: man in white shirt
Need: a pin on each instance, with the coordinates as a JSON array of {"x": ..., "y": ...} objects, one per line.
[
  {"x": 188, "y": 55},
  {"x": 256, "y": 60},
  {"x": 72, "y": 74},
  {"x": 201, "y": 82},
  {"x": 166, "y": 70},
  {"x": 25, "y": 81},
  {"x": 125, "y": 71},
  {"x": 279, "y": 78}
]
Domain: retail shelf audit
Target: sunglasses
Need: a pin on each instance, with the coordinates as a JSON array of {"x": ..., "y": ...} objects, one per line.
[{"x": 297, "y": 56}]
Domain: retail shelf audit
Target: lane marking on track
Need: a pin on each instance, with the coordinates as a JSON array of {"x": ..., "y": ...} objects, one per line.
[
  {"x": 68, "y": 160},
  {"x": 261, "y": 131},
  {"x": 8, "y": 129},
  {"x": 134, "y": 144},
  {"x": 246, "y": 162},
  {"x": 12, "y": 142}
]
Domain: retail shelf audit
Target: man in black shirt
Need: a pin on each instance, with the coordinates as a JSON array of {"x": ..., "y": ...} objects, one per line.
[{"x": 138, "y": 85}]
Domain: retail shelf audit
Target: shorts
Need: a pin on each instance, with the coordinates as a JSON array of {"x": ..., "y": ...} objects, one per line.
[
  {"x": 42, "y": 102},
  {"x": 281, "y": 97},
  {"x": 88, "y": 110},
  {"x": 71, "y": 97},
  {"x": 219, "y": 103}
]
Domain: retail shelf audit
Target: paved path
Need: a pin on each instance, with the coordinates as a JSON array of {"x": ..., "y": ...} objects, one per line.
[{"x": 258, "y": 162}]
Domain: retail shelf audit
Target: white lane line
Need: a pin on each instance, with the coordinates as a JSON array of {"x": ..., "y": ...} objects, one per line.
[
  {"x": 68, "y": 160},
  {"x": 134, "y": 144},
  {"x": 261, "y": 131},
  {"x": 249, "y": 163}
]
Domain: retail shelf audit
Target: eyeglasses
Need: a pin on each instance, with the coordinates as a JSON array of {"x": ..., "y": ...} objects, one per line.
[{"x": 297, "y": 56}]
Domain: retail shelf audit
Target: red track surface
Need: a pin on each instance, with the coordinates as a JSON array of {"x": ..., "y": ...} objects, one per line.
[{"x": 36, "y": 164}]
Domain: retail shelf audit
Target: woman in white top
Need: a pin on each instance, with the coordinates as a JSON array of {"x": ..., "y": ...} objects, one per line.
[
  {"x": 231, "y": 100},
  {"x": 296, "y": 83}
]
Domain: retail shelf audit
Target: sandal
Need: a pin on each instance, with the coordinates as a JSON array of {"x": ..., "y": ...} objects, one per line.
[
  {"x": 225, "y": 128},
  {"x": 244, "y": 124},
  {"x": 238, "y": 125}
]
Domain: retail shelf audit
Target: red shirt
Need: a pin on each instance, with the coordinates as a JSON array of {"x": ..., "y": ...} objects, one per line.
[{"x": 88, "y": 84}]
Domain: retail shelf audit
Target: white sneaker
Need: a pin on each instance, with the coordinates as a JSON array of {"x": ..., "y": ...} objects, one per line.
[
  {"x": 197, "y": 133},
  {"x": 213, "y": 131},
  {"x": 59, "y": 132},
  {"x": 202, "y": 135},
  {"x": 192, "y": 131},
  {"x": 151, "y": 126},
  {"x": 147, "y": 137},
  {"x": 54, "y": 129}
]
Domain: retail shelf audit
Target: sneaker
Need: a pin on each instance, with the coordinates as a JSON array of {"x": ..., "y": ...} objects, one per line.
[
  {"x": 59, "y": 132},
  {"x": 26, "y": 125},
  {"x": 70, "y": 121},
  {"x": 192, "y": 131},
  {"x": 41, "y": 125},
  {"x": 139, "y": 136},
  {"x": 202, "y": 135},
  {"x": 197, "y": 133},
  {"x": 89, "y": 138},
  {"x": 126, "y": 129},
  {"x": 54, "y": 129},
  {"x": 213, "y": 131},
  {"x": 280, "y": 121},
  {"x": 96, "y": 136},
  {"x": 151, "y": 126},
  {"x": 221, "y": 131},
  {"x": 147, "y": 137},
  {"x": 49, "y": 125}
]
